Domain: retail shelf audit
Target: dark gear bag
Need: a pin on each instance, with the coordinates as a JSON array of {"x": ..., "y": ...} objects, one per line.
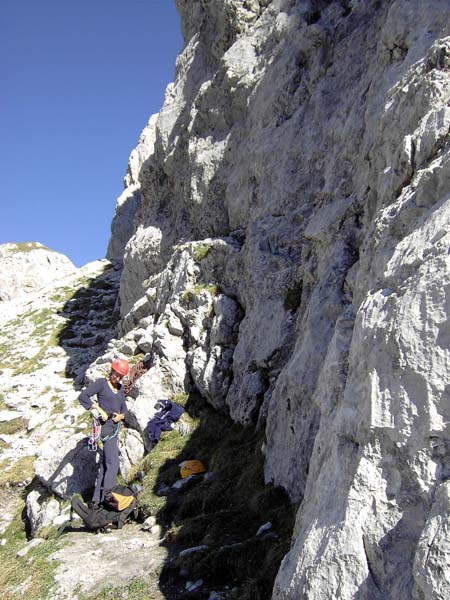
[{"x": 97, "y": 519}]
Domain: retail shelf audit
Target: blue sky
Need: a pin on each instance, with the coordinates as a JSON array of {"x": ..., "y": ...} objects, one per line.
[{"x": 78, "y": 81}]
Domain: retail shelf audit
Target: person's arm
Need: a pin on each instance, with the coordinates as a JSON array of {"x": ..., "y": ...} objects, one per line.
[{"x": 86, "y": 400}]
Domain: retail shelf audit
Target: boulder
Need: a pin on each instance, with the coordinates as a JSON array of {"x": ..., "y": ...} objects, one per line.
[
  {"x": 131, "y": 450},
  {"x": 64, "y": 464},
  {"x": 42, "y": 509}
]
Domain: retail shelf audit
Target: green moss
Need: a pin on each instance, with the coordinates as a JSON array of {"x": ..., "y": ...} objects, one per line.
[
  {"x": 187, "y": 296},
  {"x": 201, "y": 251}
]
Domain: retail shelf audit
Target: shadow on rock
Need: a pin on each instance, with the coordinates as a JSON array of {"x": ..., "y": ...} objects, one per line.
[
  {"x": 92, "y": 315},
  {"x": 225, "y": 530},
  {"x": 74, "y": 473}
]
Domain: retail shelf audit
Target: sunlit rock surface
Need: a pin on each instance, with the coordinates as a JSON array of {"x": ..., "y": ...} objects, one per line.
[
  {"x": 313, "y": 138},
  {"x": 29, "y": 266}
]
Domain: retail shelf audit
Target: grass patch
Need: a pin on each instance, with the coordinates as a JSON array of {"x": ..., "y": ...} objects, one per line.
[
  {"x": 84, "y": 421},
  {"x": 58, "y": 405},
  {"x": 159, "y": 468},
  {"x": 30, "y": 576},
  {"x": 13, "y": 473},
  {"x": 181, "y": 399},
  {"x": 31, "y": 364},
  {"x": 132, "y": 360},
  {"x": 47, "y": 331},
  {"x": 28, "y": 247},
  {"x": 13, "y": 426},
  {"x": 62, "y": 295},
  {"x": 189, "y": 294},
  {"x": 211, "y": 288},
  {"x": 138, "y": 589}
]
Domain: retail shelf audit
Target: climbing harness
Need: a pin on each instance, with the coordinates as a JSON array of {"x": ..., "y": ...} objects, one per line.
[
  {"x": 113, "y": 435},
  {"x": 95, "y": 436}
]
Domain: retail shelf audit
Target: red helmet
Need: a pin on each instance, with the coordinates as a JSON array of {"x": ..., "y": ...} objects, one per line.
[{"x": 120, "y": 365}]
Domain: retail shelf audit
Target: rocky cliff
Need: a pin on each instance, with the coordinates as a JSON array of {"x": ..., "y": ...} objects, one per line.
[{"x": 286, "y": 253}]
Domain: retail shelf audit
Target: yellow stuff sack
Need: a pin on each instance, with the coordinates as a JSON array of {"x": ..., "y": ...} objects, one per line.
[
  {"x": 119, "y": 498},
  {"x": 191, "y": 467}
]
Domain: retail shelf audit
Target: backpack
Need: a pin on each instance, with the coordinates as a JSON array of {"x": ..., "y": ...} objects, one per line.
[
  {"x": 118, "y": 505},
  {"x": 119, "y": 498}
]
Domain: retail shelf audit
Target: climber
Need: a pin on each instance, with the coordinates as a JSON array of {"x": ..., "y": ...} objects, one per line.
[{"x": 111, "y": 406}]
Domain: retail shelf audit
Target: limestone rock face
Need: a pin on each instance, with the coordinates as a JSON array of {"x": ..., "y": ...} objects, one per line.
[
  {"x": 309, "y": 142},
  {"x": 29, "y": 266},
  {"x": 128, "y": 203}
]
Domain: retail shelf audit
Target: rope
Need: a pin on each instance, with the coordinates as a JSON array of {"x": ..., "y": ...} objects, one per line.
[
  {"x": 136, "y": 371},
  {"x": 113, "y": 435}
]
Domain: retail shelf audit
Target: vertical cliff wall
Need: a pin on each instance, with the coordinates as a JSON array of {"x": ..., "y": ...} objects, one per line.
[{"x": 289, "y": 254}]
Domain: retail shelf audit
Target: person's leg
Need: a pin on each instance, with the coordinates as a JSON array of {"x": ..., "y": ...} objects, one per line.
[
  {"x": 111, "y": 453},
  {"x": 99, "y": 479}
]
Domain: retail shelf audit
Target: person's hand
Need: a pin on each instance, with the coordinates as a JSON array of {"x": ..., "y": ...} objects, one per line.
[
  {"x": 117, "y": 417},
  {"x": 103, "y": 414}
]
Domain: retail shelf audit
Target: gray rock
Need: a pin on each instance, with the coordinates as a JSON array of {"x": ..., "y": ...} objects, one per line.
[
  {"x": 131, "y": 450},
  {"x": 191, "y": 586},
  {"x": 266, "y": 527},
  {"x": 64, "y": 465},
  {"x": 290, "y": 257},
  {"x": 192, "y": 550},
  {"x": 149, "y": 523},
  {"x": 41, "y": 510}
]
